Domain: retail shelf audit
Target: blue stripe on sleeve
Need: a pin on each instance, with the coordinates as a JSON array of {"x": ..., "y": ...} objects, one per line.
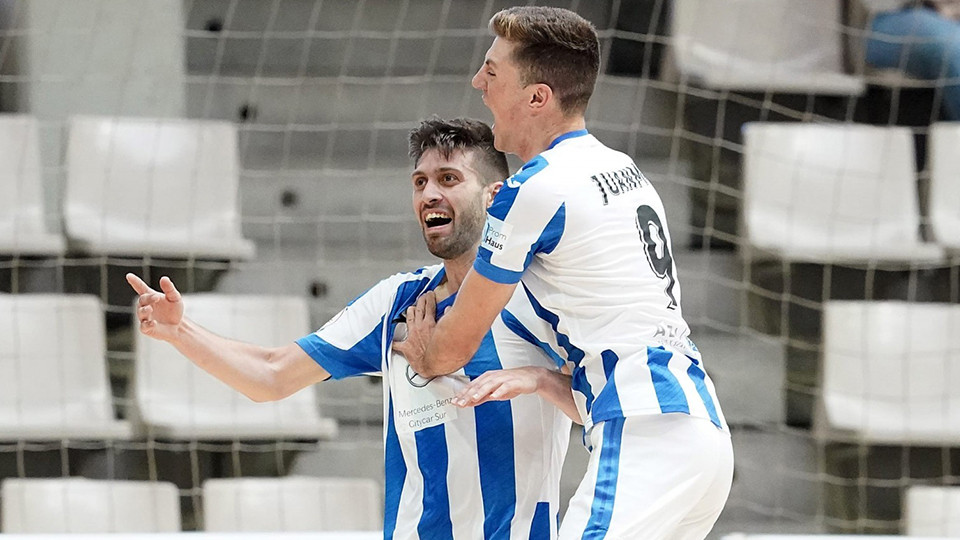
[
  {"x": 669, "y": 393},
  {"x": 433, "y": 461},
  {"x": 540, "y": 526},
  {"x": 363, "y": 357},
  {"x": 606, "y": 487},
  {"x": 495, "y": 455},
  {"x": 395, "y": 472},
  {"x": 698, "y": 376},
  {"x": 485, "y": 268}
]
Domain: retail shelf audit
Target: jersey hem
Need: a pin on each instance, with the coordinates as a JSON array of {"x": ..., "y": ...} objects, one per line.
[{"x": 647, "y": 412}]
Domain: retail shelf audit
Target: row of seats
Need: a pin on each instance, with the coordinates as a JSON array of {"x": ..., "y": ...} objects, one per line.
[
  {"x": 891, "y": 371},
  {"x": 776, "y": 46},
  {"x": 297, "y": 503},
  {"x": 77, "y": 505},
  {"x": 847, "y": 193},
  {"x": 761, "y": 46},
  {"x": 133, "y": 186},
  {"x": 54, "y": 383}
]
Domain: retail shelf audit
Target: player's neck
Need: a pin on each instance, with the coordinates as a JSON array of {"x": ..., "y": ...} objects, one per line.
[
  {"x": 455, "y": 269},
  {"x": 541, "y": 136}
]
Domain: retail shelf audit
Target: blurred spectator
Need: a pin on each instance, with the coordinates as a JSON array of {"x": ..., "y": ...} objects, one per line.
[{"x": 922, "y": 39}]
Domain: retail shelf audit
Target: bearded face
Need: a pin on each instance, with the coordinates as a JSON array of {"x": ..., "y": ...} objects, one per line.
[{"x": 450, "y": 201}]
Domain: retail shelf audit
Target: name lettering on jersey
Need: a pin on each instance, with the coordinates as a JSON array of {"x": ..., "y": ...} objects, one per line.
[
  {"x": 619, "y": 182},
  {"x": 495, "y": 234}
]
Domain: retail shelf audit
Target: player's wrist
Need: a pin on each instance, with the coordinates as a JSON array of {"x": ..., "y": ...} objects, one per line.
[
  {"x": 540, "y": 378},
  {"x": 180, "y": 332}
]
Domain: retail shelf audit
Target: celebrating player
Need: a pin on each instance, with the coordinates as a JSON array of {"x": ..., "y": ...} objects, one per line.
[
  {"x": 586, "y": 232},
  {"x": 490, "y": 472}
]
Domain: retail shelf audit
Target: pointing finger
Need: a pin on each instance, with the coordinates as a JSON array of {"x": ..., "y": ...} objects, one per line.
[{"x": 138, "y": 284}]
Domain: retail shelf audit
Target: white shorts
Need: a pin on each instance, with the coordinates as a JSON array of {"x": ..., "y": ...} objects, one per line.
[{"x": 653, "y": 477}]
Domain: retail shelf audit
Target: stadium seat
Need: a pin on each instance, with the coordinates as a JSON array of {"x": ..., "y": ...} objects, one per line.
[
  {"x": 832, "y": 193},
  {"x": 944, "y": 165},
  {"x": 789, "y": 46},
  {"x": 79, "y": 505},
  {"x": 891, "y": 370},
  {"x": 177, "y": 400},
  {"x": 53, "y": 370},
  {"x": 932, "y": 511},
  {"x": 158, "y": 187},
  {"x": 297, "y": 503},
  {"x": 23, "y": 230}
]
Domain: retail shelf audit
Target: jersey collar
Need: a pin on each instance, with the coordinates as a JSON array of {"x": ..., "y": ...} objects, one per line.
[
  {"x": 567, "y": 135},
  {"x": 446, "y": 302}
]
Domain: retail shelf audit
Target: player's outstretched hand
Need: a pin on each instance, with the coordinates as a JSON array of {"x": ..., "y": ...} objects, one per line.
[
  {"x": 159, "y": 313},
  {"x": 498, "y": 385}
]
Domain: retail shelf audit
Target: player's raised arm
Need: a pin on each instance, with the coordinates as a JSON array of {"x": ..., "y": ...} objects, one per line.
[
  {"x": 260, "y": 373},
  {"x": 438, "y": 350}
]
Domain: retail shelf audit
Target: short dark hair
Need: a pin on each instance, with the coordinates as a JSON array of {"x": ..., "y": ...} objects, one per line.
[
  {"x": 465, "y": 134},
  {"x": 556, "y": 47}
]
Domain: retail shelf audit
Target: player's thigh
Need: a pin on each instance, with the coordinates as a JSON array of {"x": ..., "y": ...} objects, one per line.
[{"x": 644, "y": 476}]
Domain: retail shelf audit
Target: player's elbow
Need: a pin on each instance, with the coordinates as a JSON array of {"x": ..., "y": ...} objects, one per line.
[
  {"x": 268, "y": 390},
  {"x": 261, "y": 396},
  {"x": 274, "y": 382}
]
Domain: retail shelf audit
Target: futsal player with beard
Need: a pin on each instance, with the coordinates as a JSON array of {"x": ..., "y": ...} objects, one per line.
[{"x": 492, "y": 471}]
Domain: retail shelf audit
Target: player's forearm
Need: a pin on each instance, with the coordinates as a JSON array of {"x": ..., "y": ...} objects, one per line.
[
  {"x": 554, "y": 387},
  {"x": 459, "y": 333},
  {"x": 448, "y": 349},
  {"x": 249, "y": 369}
]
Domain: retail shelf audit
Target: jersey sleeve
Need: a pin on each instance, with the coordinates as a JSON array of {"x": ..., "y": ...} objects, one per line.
[
  {"x": 351, "y": 343},
  {"x": 526, "y": 218}
]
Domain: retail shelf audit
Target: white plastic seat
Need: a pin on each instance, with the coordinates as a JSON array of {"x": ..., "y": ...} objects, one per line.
[
  {"x": 891, "y": 371},
  {"x": 23, "y": 230},
  {"x": 832, "y": 193},
  {"x": 932, "y": 511},
  {"x": 762, "y": 45},
  {"x": 53, "y": 370},
  {"x": 943, "y": 145},
  {"x": 78, "y": 505},
  {"x": 175, "y": 399},
  {"x": 150, "y": 186},
  {"x": 296, "y": 503}
]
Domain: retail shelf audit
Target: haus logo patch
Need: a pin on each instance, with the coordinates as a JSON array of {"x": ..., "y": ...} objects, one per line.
[{"x": 495, "y": 234}]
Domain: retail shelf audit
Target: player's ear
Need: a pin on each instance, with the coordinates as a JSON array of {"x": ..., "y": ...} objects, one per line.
[
  {"x": 491, "y": 192},
  {"x": 540, "y": 96}
]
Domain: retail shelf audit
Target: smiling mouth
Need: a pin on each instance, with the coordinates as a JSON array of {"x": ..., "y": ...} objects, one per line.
[{"x": 436, "y": 220}]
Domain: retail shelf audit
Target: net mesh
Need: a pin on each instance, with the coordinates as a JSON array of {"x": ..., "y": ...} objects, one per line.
[{"x": 322, "y": 94}]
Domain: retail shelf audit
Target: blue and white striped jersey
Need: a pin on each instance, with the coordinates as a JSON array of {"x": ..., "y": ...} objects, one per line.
[
  {"x": 586, "y": 231},
  {"x": 490, "y": 472}
]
